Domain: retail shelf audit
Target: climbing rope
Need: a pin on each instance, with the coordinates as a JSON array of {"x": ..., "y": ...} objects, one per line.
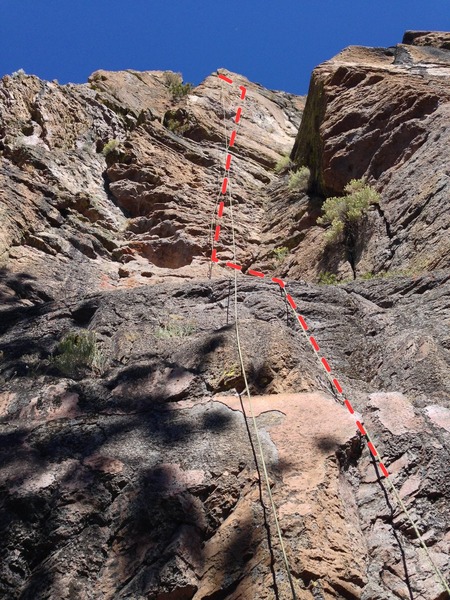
[
  {"x": 250, "y": 404},
  {"x": 255, "y": 425},
  {"x": 376, "y": 456},
  {"x": 213, "y": 218},
  {"x": 339, "y": 395}
]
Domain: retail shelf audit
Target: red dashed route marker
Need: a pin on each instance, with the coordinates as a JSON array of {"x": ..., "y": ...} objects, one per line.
[
  {"x": 290, "y": 299},
  {"x": 255, "y": 273},
  {"x": 227, "y": 79},
  {"x": 337, "y": 385},
  {"x": 314, "y": 344},
  {"x": 349, "y": 406},
  {"x": 281, "y": 283}
]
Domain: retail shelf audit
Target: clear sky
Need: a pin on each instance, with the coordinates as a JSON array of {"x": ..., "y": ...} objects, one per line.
[{"x": 274, "y": 42}]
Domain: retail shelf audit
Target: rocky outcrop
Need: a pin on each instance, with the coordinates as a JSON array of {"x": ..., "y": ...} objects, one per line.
[
  {"x": 140, "y": 482},
  {"x": 99, "y": 180},
  {"x": 435, "y": 39},
  {"x": 131, "y": 469},
  {"x": 383, "y": 114}
]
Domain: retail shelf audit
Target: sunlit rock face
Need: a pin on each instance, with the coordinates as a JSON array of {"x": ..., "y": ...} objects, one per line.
[
  {"x": 383, "y": 114},
  {"x": 129, "y": 466}
]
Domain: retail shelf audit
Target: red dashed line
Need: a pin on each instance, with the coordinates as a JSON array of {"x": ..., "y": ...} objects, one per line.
[
  {"x": 255, "y": 273},
  {"x": 372, "y": 448},
  {"x": 224, "y": 185},
  {"x": 314, "y": 344},
  {"x": 349, "y": 406},
  {"x": 337, "y": 385},
  {"x": 234, "y": 266},
  {"x": 326, "y": 365},
  {"x": 302, "y": 322},
  {"x": 360, "y": 427},
  {"x": 290, "y": 299},
  {"x": 227, "y": 79},
  {"x": 279, "y": 281}
]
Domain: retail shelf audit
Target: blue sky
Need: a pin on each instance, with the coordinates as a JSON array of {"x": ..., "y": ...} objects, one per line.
[{"x": 276, "y": 43}]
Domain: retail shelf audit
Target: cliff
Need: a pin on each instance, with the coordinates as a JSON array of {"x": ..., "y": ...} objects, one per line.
[
  {"x": 128, "y": 461},
  {"x": 383, "y": 114}
]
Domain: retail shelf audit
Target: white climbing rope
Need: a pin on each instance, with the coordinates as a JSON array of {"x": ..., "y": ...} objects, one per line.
[
  {"x": 250, "y": 404},
  {"x": 438, "y": 573}
]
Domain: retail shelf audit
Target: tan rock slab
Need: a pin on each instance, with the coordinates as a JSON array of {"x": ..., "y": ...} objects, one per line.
[
  {"x": 313, "y": 498},
  {"x": 396, "y": 412},
  {"x": 439, "y": 415}
]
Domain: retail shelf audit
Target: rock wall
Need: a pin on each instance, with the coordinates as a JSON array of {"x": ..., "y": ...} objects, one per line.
[
  {"x": 136, "y": 475},
  {"x": 76, "y": 220},
  {"x": 141, "y": 482},
  {"x": 382, "y": 114}
]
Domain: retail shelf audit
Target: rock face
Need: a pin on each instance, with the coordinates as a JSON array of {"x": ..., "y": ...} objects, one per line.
[
  {"x": 141, "y": 482},
  {"x": 383, "y": 114},
  {"x": 435, "y": 39},
  {"x": 131, "y": 470},
  {"x": 76, "y": 220}
]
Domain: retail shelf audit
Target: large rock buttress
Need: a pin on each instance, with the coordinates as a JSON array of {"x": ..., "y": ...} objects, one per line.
[{"x": 383, "y": 114}]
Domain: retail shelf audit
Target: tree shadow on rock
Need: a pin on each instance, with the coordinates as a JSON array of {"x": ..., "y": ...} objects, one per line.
[
  {"x": 216, "y": 419},
  {"x": 328, "y": 443},
  {"x": 83, "y": 502},
  {"x": 101, "y": 499},
  {"x": 333, "y": 256},
  {"x": 16, "y": 288}
]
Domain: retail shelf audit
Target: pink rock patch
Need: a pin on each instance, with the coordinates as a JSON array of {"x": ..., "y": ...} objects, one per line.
[
  {"x": 439, "y": 415},
  {"x": 396, "y": 412},
  {"x": 50, "y": 409},
  {"x": 105, "y": 464},
  {"x": 314, "y": 427},
  {"x": 411, "y": 486},
  {"x": 6, "y": 399}
]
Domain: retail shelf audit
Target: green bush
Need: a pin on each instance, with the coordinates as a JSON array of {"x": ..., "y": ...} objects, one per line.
[
  {"x": 110, "y": 147},
  {"x": 344, "y": 213},
  {"x": 299, "y": 180},
  {"x": 76, "y": 353},
  {"x": 175, "y": 330},
  {"x": 283, "y": 163},
  {"x": 171, "y": 78},
  {"x": 172, "y": 125},
  {"x": 328, "y": 278},
  {"x": 176, "y": 121},
  {"x": 174, "y": 82},
  {"x": 280, "y": 253},
  {"x": 369, "y": 275}
]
